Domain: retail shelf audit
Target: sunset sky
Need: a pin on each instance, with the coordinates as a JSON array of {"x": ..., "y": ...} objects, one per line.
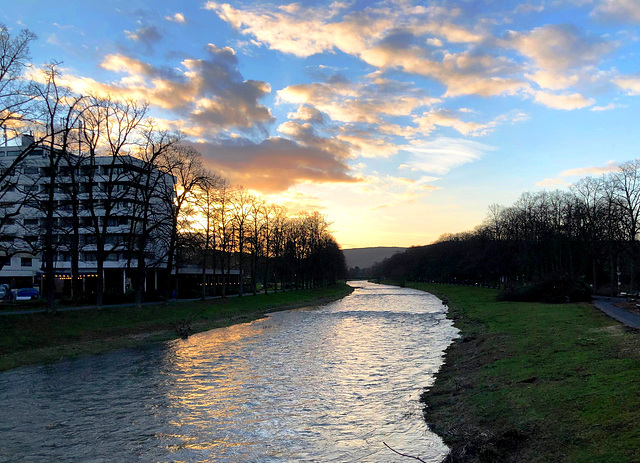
[{"x": 398, "y": 120}]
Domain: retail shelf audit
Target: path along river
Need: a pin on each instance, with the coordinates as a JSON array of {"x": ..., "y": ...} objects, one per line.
[{"x": 327, "y": 384}]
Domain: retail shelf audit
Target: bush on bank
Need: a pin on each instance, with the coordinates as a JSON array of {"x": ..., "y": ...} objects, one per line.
[{"x": 554, "y": 289}]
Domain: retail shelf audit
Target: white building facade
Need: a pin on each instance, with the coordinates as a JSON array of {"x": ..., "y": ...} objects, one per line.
[{"x": 123, "y": 202}]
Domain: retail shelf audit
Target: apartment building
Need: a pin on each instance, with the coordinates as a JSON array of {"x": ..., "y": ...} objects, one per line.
[{"x": 74, "y": 202}]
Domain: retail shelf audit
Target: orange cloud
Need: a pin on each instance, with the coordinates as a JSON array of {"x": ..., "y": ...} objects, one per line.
[
  {"x": 209, "y": 94},
  {"x": 562, "y": 179},
  {"x": 630, "y": 83},
  {"x": 274, "y": 165},
  {"x": 565, "y": 101}
]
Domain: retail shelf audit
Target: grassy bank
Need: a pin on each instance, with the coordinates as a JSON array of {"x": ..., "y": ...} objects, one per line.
[
  {"x": 38, "y": 338},
  {"x": 535, "y": 382}
]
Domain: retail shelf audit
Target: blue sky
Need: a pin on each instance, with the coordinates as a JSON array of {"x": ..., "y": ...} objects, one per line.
[{"x": 398, "y": 120}]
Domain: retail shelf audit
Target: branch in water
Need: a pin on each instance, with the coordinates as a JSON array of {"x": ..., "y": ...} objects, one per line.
[{"x": 402, "y": 454}]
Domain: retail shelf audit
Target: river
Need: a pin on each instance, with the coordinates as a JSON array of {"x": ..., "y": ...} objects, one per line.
[{"x": 325, "y": 384}]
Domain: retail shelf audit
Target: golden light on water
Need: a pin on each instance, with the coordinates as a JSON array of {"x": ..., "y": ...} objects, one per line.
[
  {"x": 308, "y": 382},
  {"x": 325, "y": 384}
]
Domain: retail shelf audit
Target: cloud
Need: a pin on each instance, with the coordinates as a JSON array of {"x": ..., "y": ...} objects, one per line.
[
  {"x": 618, "y": 11},
  {"x": 53, "y": 39},
  {"x": 401, "y": 37},
  {"x": 608, "y": 107},
  {"x": 298, "y": 31},
  {"x": 567, "y": 101},
  {"x": 552, "y": 182},
  {"x": 388, "y": 192},
  {"x": 432, "y": 42},
  {"x": 463, "y": 73},
  {"x": 307, "y": 113},
  {"x": 367, "y": 143},
  {"x": 443, "y": 154},
  {"x": 444, "y": 44},
  {"x": 63, "y": 26},
  {"x": 209, "y": 95},
  {"x": 273, "y": 165},
  {"x": 147, "y": 36},
  {"x": 356, "y": 103},
  {"x": 451, "y": 118},
  {"x": 526, "y": 8},
  {"x": 553, "y": 80},
  {"x": 368, "y": 114},
  {"x": 561, "y": 56},
  {"x": 306, "y": 135},
  {"x": 559, "y": 47},
  {"x": 630, "y": 83},
  {"x": 177, "y": 18},
  {"x": 447, "y": 118},
  {"x": 357, "y": 114},
  {"x": 298, "y": 202},
  {"x": 562, "y": 179}
]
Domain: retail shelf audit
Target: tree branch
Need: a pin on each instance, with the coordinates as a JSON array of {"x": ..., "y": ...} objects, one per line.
[{"x": 402, "y": 454}]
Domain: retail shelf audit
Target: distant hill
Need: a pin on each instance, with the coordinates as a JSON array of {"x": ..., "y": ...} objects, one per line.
[{"x": 366, "y": 257}]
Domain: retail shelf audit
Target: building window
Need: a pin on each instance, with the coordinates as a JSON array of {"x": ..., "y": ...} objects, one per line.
[
  {"x": 88, "y": 239},
  {"x": 26, "y": 262},
  {"x": 30, "y": 222}
]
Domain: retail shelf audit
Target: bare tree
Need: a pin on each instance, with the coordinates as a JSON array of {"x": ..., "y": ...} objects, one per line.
[
  {"x": 592, "y": 208},
  {"x": 15, "y": 111},
  {"x": 207, "y": 203},
  {"x": 109, "y": 128},
  {"x": 184, "y": 163},
  {"x": 152, "y": 216},
  {"x": 278, "y": 227},
  {"x": 60, "y": 111},
  {"x": 257, "y": 210},
  {"x": 15, "y": 94},
  {"x": 627, "y": 183},
  {"x": 241, "y": 208},
  {"x": 224, "y": 229},
  {"x": 268, "y": 215}
]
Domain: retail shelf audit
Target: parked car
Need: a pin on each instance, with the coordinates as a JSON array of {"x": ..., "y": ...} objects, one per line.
[
  {"x": 5, "y": 293},
  {"x": 27, "y": 294}
]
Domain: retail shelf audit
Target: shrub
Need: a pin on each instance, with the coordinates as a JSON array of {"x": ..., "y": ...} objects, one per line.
[
  {"x": 552, "y": 289},
  {"x": 114, "y": 296}
]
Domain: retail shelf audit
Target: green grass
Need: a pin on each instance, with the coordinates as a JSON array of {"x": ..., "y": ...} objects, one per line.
[
  {"x": 38, "y": 338},
  {"x": 535, "y": 382}
]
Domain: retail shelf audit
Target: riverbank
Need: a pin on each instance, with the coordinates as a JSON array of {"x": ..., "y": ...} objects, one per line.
[
  {"x": 42, "y": 338},
  {"x": 535, "y": 382}
]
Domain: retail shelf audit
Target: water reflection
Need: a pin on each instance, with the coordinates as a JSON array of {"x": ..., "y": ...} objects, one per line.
[{"x": 328, "y": 384}]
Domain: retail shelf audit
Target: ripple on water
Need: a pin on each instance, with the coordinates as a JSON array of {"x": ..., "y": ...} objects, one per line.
[{"x": 329, "y": 384}]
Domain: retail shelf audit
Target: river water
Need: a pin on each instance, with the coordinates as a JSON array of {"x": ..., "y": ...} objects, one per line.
[{"x": 327, "y": 384}]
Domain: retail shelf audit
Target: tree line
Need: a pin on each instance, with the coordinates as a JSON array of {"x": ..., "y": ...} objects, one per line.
[
  {"x": 587, "y": 234},
  {"x": 103, "y": 162}
]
